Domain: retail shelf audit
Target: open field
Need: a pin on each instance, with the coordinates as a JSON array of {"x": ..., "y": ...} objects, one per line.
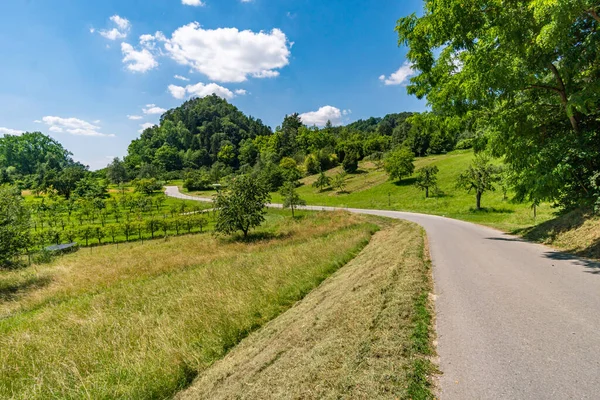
[
  {"x": 364, "y": 333},
  {"x": 140, "y": 321}
]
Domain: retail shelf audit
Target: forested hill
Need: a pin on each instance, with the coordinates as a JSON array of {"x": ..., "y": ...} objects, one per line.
[
  {"x": 204, "y": 132},
  {"x": 198, "y": 133}
]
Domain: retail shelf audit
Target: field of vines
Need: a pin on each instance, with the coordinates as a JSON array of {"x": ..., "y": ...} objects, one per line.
[{"x": 121, "y": 217}]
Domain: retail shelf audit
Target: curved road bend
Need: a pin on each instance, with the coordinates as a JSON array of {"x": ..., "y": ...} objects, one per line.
[{"x": 515, "y": 320}]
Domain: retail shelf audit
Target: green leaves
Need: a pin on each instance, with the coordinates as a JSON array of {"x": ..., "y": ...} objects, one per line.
[{"x": 242, "y": 206}]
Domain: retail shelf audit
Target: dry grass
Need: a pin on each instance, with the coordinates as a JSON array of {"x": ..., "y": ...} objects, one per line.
[
  {"x": 143, "y": 321},
  {"x": 577, "y": 232},
  {"x": 362, "y": 334}
]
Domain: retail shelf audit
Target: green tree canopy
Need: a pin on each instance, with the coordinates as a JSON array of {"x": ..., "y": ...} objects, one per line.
[
  {"x": 399, "y": 163},
  {"x": 241, "y": 206},
  {"x": 480, "y": 177},
  {"x": 14, "y": 226},
  {"x": 526, "y": 74}
]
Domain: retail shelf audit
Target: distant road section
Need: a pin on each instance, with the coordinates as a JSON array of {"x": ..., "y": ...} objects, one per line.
[{"x": 514, "y": 320}]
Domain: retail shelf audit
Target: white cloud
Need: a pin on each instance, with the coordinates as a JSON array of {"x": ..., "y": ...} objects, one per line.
[
  {"x": 134, "y": 117},
  {"x": 120, "y": 31},
  {"x": 322, "y": 115},
  {"x": 194, "y": 3},
  {"x": 202, "y": 90},
  {"x": 8, "y": 131},
  {"x": 182, "y": 78},
  {"x": 137, "y": 61},
  {"x": 177, "y": 91},
  {"x": 145, "y": 126},
  {"x": 227, "y": 54},
  {"x": 122, "y": 23},
  {"x": 74, "y": 126},
  {"x": 153, "y": 109},
  {"x": 399, "y": 77},
  {"x": 346, "y": 112}
]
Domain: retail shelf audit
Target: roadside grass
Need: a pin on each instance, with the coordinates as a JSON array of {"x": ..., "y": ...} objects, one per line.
[
  {"x": 370, "y": 188},
  {"x": 141, "y": 321},
  {"x": 366, "y": 332},
  {"x": 576, "y": 232}
]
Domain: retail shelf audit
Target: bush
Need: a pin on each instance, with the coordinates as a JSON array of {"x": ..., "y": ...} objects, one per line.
[
  {"x": 146, "y": 186},
  {"x": 197, "y": 180},
  {"x": 350, "y": 163},
  {"x": 311, "y": 165}
]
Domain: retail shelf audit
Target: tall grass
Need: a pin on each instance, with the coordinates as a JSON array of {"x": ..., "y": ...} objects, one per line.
[{"x": 143, "y": 321}]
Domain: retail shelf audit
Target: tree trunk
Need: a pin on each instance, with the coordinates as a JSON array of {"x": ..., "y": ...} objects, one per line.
[
  {"x": 562, "y": 91},
  {"x": 479, "y": 200},
  {"x": 292, "y": 211},
  {"x": 427, "y": 192}
]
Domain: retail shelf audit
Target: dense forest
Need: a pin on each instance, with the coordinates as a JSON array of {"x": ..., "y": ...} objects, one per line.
[{"x": 212, "y": 136}]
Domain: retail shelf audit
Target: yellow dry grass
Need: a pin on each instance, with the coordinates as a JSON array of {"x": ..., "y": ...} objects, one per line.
[{"x": 351, "y": 338}]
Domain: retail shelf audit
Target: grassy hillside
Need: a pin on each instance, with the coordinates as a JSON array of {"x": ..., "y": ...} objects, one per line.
[
  {"x": 140, "y": 321},
  {"x": 370, "y": 188},
  {"x": 577, "y": 232},
  {"x": 364, "y": 334}
]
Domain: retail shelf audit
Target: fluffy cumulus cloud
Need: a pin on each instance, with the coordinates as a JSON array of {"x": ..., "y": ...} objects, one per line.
[
  {"x": 8, "y": 131},
  {"x": 138, "y": 60},
  {"x": 145, "y": 126},
  {"x": 202, "y": 90},
  {"x": 194, "y": 3},
  {"x": 153, "y": 109},
  {"x": 74, "y": 126},
  {"x": 120, "y": 30},
  {"x": 322, "y": 115},
  {"x": 399, "y": 77},
  {"x": 228, "y": 54}
]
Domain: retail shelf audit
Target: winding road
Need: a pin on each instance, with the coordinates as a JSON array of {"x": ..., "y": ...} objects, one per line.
[{"x": 514, "y": 320}]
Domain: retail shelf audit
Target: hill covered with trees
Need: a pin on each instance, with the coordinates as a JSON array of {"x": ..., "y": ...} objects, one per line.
[{"x": 36, "y": 161}]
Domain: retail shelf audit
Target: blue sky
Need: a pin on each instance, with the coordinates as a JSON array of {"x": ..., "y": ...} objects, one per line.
[{"x": 80, "y": 70}]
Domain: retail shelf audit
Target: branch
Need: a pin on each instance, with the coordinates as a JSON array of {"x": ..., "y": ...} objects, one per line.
[
  {"x": 563, "y": 96},
  {"x": 554, "y": 89},
  {"x": 594, "y": 14}
]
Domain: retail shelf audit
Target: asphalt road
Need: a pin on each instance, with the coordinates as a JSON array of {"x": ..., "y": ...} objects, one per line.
[{"x": 514, "y": 320}]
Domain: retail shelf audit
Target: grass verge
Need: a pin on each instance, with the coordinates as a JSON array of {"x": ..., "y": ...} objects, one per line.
[
  {"x": 141, "y": 321},
  {"x": 366, "y": 333}
]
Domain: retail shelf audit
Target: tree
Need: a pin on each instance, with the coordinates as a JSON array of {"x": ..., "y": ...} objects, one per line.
[
  {"x": 14, "y": 226},
  {"x": 350, "y": 162},
  {"x": 525, "y": 74},
  {"x": 311, "y": 165},
  {"x": 290, "y": 196},
  {"x": 339, "y": 182},
  {"x": 399, "y": 163},
  {"x": 427, "y": 178},
  {"x": 87, "y": 232},
  {"x": 116, "y": 171},
  {"x": 480, "y": 177},
  {"x": 146, "y": 186},
  {"x": 241, "y": 206},
  {"x": 322, "y": 181}
]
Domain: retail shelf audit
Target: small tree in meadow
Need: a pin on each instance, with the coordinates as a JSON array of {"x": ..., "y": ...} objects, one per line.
[
  {"x": 322, "y": 181},
  {"x": 113, "y": 231},
  {"x": 86, "y": 233},
  {"x": 399, "y": 163},
  {"x": 242, "y": 206},
  {"x": 128, "y": 229},
  {"x": 99, "y": 234},
  {"x": 339, "y": 182},
  {"x": 480, "y": 177},
  {"x": 427, "y": 178},
  {"x": 152, "y": 225},
  {"x": 290, "y": 196}
]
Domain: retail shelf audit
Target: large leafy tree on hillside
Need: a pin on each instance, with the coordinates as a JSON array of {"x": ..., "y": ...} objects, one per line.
[{"x": 524, "y": 73}]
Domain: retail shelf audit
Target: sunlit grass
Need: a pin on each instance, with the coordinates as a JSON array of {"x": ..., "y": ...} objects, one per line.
[{"x": 141, "y": 321}]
